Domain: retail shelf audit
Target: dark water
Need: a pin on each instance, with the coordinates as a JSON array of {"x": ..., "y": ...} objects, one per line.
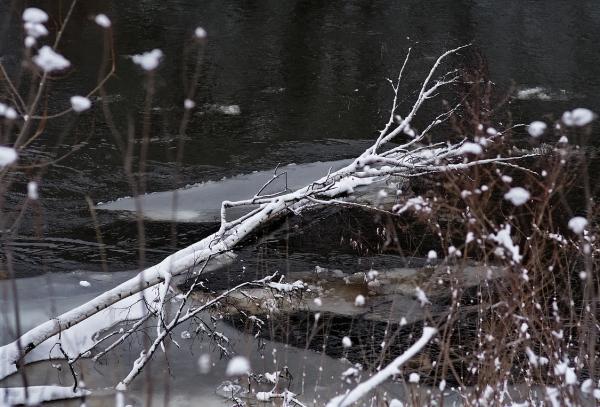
[{"x": 309, "y": 77}]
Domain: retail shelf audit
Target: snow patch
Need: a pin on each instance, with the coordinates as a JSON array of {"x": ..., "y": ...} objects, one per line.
[
  {"x": 230, "y": 110},
  {"x": 79, "y": 337},
  {"x": 536, "y": 92},
  {"x": 36, "y": 395},
  {"x": 286, "y": 287},
  {"x": 264, "y": 395}
]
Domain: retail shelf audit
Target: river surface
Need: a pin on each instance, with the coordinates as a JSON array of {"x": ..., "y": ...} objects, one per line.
[{"x": 280, "y": 82}]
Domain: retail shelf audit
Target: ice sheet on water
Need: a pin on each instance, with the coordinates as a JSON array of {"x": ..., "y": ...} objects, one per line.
[{"x": 202, "y": 202}]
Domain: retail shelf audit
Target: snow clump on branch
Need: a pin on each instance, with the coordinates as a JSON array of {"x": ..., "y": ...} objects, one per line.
[
  {"x": 346, "y": 342},
  {"x": 148, "y": 61},
  {"x": 200, "y": 33},
  {"x": 536, "y": 129},
  {"x": 32, "y": 190},
  {"x": 34, "y": 15},
  {"x": 470, "y": 148},
  {"x": 578, "y": 224},
  {"x": 189, "y": 104},
  {"x": 503, "y": 239},
  {"x": 418, "y": 204},
  {"x": 359, "y": 301},
  {"x": 285, "y": 287},
  {"x": 35, "y": 30},
  {"x": 421, "y": 296},
  {"x": 8, "y": 112},
  {"x": 102, "y": 20},
  {"x": 33, "y": 23},
  {"x": 49, "y": 60},
  {"x": 80, "y": 103},
  {"x": 578, "y": 117},
  {"x": 517, "y": 196},
  {"x": 8, "y": 155}
]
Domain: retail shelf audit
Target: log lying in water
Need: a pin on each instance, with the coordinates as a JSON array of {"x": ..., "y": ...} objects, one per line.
[{"x": 390, "y": 295}]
